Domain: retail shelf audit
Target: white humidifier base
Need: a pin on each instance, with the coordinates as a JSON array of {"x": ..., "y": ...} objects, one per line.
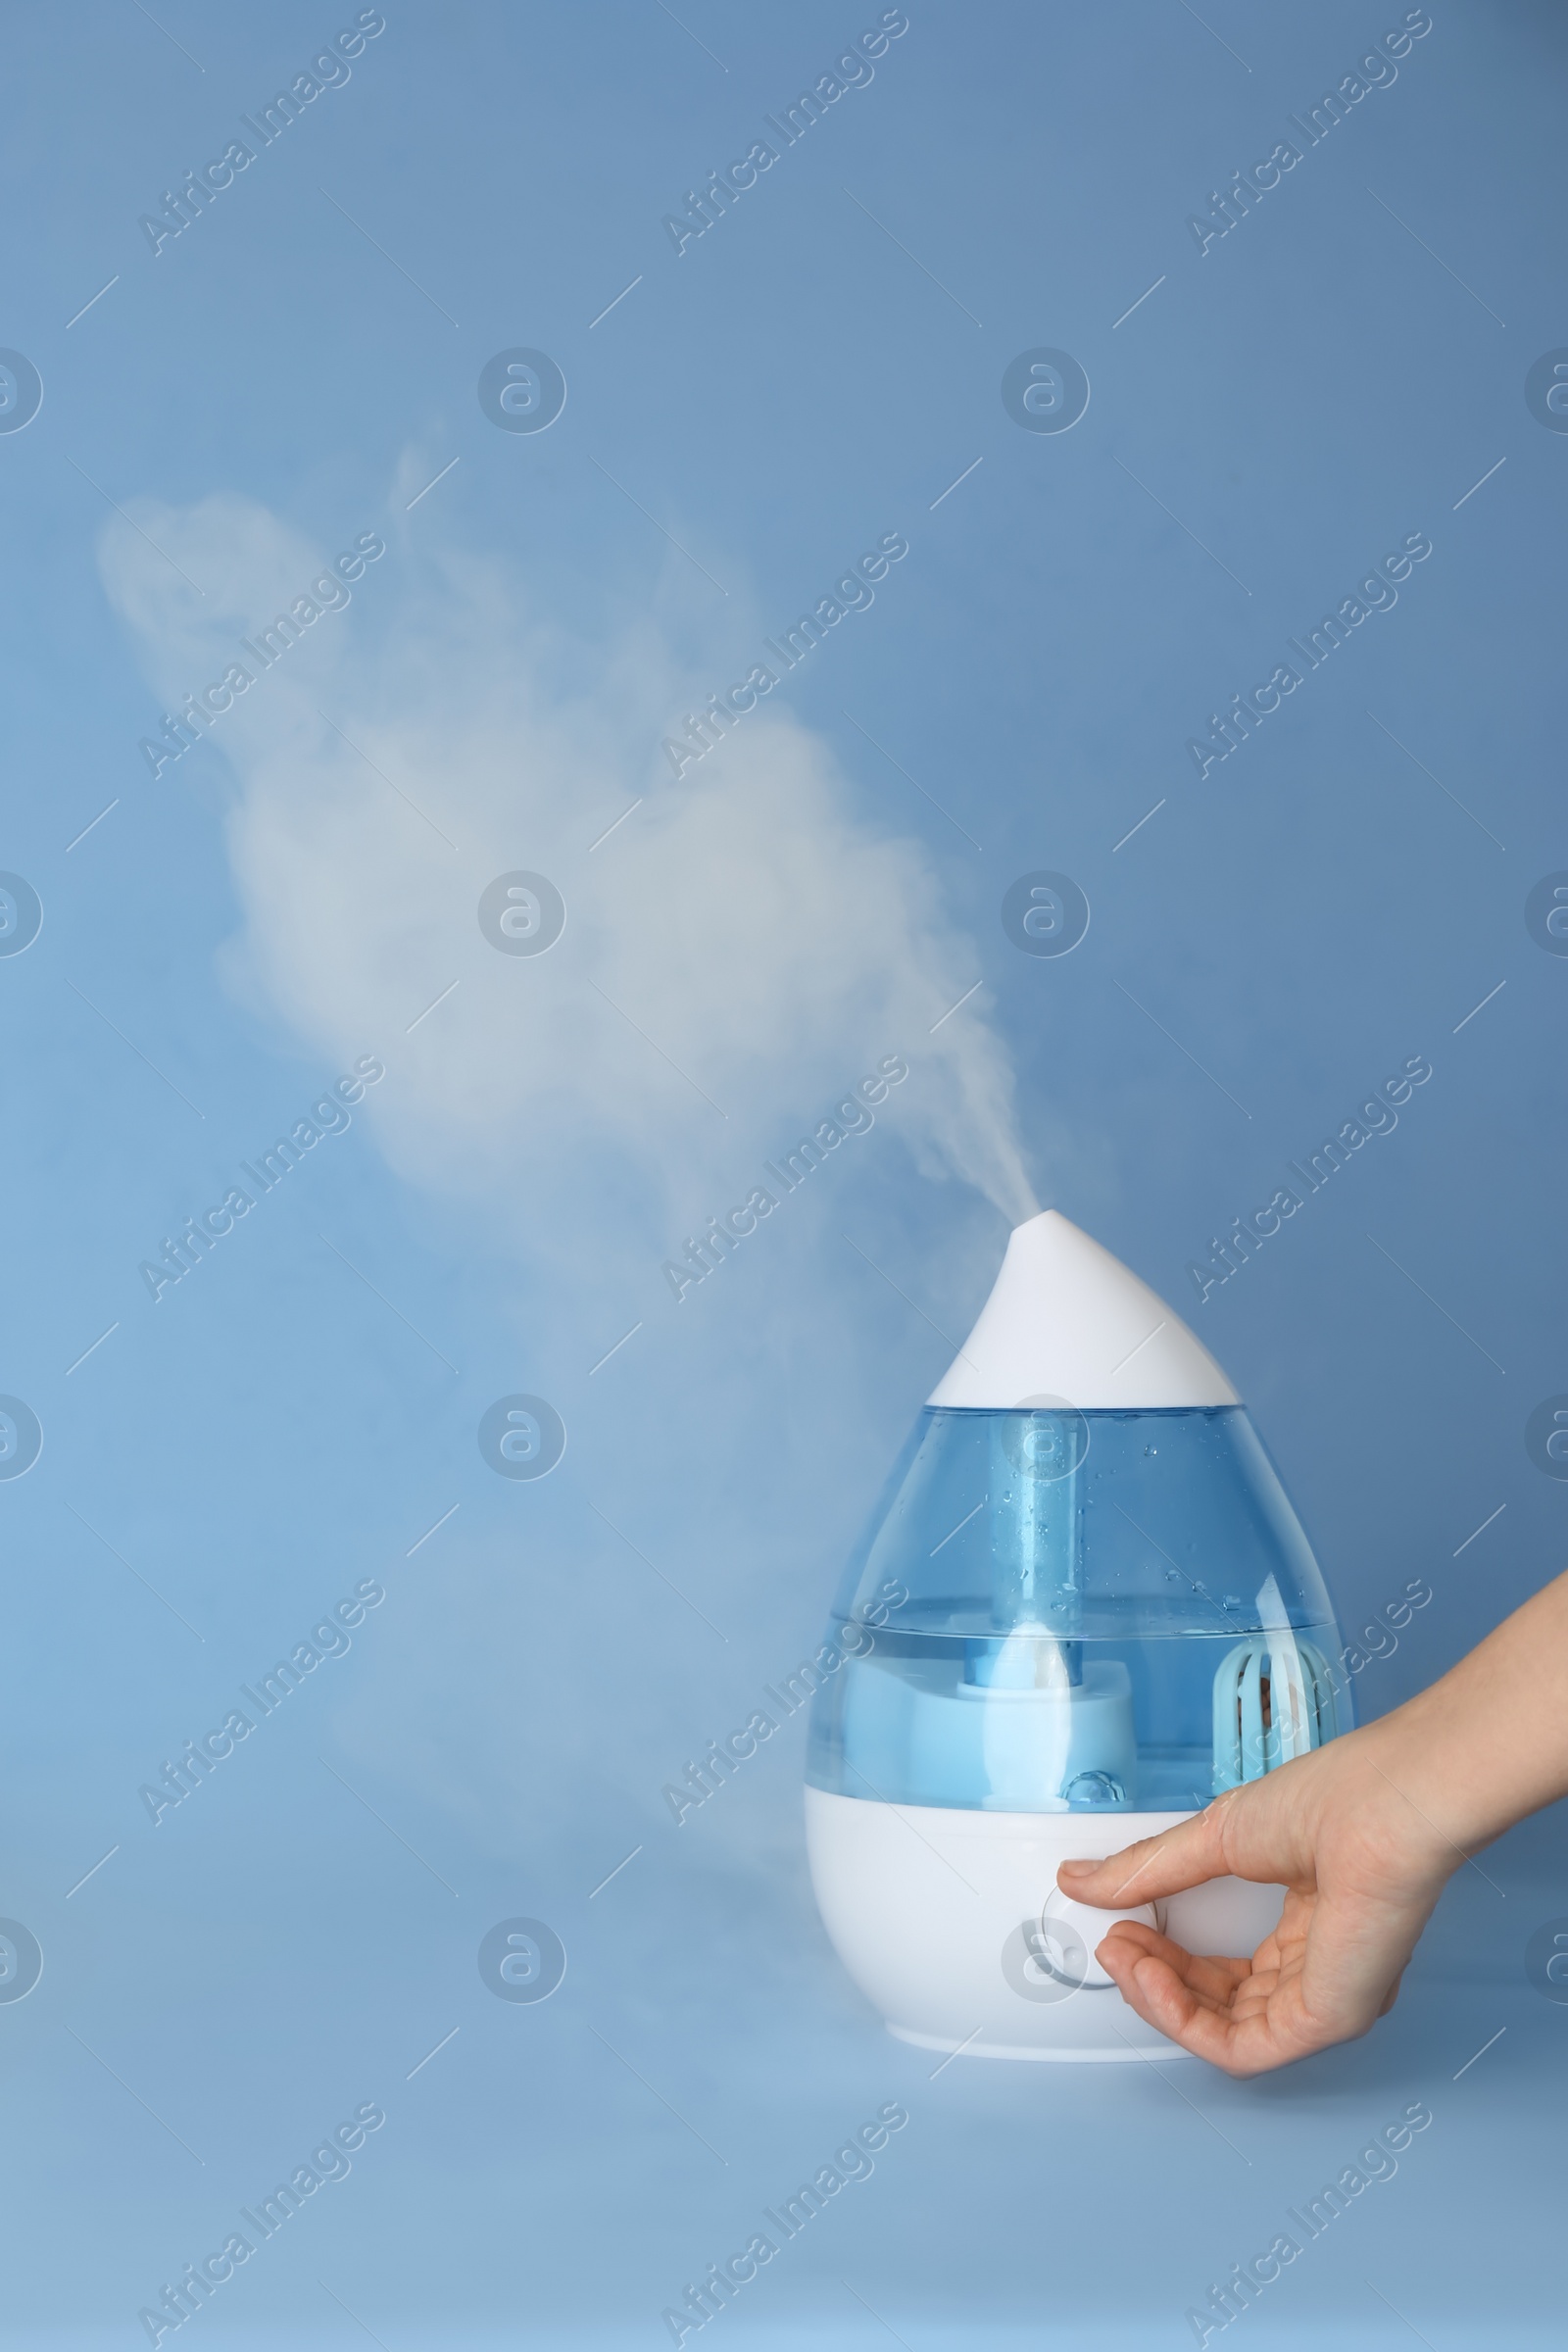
[{"x": 937, "y": 1913}]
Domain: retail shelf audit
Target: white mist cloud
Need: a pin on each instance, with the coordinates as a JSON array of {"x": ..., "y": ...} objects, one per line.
[
  {"x": 744, "y": 936},
  {"x": 736, "y": 953}
]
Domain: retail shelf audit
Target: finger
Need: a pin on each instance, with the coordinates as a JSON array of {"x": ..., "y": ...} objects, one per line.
[
  {"x": 1210, "y": 1973},
  {"x": 1221, "y": 1997},
  {"x": 1160, "y": 1997},
  {"x": 1248, "y": 2044},
  {"x": 1183, "y": 1856}
]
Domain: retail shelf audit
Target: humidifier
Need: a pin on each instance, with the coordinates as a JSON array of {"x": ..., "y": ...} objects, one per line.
[{"x": 1084, "y": 1608}]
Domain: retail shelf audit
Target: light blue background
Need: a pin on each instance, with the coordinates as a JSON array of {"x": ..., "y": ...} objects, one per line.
[{"x": 230, "y": 1984}]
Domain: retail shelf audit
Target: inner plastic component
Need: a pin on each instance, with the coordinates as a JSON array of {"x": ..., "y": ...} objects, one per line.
[{"x": 1273, "y": 1701}]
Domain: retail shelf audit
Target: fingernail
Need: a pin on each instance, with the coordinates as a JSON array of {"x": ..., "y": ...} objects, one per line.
[{"x": 1077, "y": 1870}]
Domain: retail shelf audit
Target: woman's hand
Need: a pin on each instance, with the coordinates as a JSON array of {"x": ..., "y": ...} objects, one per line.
[
  {"x": 1362, "y": 1868},
  {"x": 1362, "y": 1835}
]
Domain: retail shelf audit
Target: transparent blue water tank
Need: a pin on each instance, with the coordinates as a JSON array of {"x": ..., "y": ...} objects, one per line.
[{"x": 1085, "y": 1588}]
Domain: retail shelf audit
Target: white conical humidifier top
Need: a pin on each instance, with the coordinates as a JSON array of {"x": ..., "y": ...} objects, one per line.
[{"x": 1067, "y": 1321}]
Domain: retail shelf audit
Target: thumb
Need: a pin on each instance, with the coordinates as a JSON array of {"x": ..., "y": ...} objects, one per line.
[{"x": 1183, "y": 1856}]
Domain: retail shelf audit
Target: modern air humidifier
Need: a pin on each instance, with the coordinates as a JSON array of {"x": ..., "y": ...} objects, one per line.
[{"x": 1084, "y": 1608}]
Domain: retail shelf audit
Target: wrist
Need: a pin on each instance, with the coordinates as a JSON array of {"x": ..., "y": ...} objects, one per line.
[
  {"x": 1487, "y": 1743},
  {"x": 1455, "y": 1786},
  {"x": 1430, "y": 1819}
]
